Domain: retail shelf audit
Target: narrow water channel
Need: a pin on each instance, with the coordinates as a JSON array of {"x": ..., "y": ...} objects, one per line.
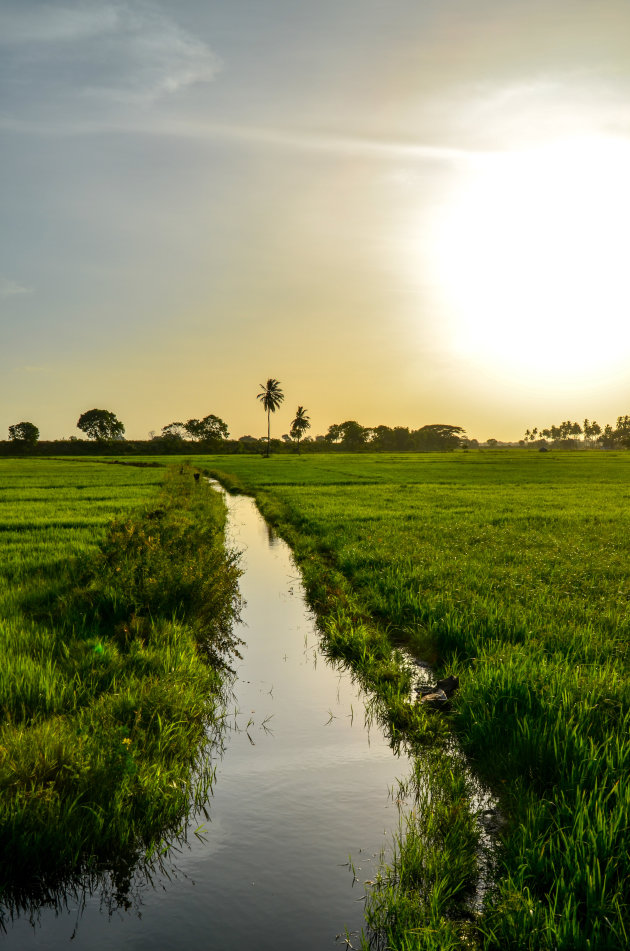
[{"x": 303, "y": 784}]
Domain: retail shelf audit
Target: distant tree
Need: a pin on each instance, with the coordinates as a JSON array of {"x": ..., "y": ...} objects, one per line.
[
  {"x": 353, "y": 436},
  {"x": 173, "y": 432},
  {"x": 393, "y": 440},
  {"x": 608, "y": 436},
  {"x": 271, "y": 398},
  {"x": 299, "y": 425},
  {"x": 101, "y": 425},
  {"x": 334, "y": 434},
  {"x": 25, "y": 433},
  {"x": 492, "y": 443},
  {"x": 622, "y": 431},
  {"x": 401, "y": 438},
  {"x": 438, "y": 436},
  {"x": 592, "y": 430},
  {"x": 210, "y": 429},
  {"x": 381, "y": 437}
]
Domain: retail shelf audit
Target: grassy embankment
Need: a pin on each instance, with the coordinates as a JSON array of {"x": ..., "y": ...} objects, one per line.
[
  {"x": 511, "y": 570},
  {"x": 104, "y": 702}
]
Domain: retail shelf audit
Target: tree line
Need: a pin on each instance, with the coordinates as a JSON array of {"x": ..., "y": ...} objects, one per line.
[
  {"x": 211, "y": 433},
  {"x": 588, "y": 433}
]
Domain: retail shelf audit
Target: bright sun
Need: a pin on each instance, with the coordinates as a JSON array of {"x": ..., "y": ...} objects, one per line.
[{"x": 532, "y": 260}]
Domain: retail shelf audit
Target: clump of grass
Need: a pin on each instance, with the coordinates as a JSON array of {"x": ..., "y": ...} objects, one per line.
[
  {"x": 416, "y": 901},
  {"x": 172, "y": 563}
]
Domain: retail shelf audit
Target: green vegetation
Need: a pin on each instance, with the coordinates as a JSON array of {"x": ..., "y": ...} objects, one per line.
[
  {"x": 24, "y": 434},
  {"x": 567, "y": 434},
  {"x": 104, "y": 701},
  {"x": 301, "y": 422},
  {"x": 436, "y": 437},
  {"x": 101, "y": 425},
  {"x": 271, "y": 398},
  {"x": 512, "y": 571},
  {"x": 210, "y": 432}
]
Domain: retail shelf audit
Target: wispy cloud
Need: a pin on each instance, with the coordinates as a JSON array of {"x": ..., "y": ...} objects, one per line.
[
  {"x": 248, "y": 135},
  {"x": 116, "y": 50},
  {"x": 10, "y": 288},
  {"x": 308, "y": 141},
  {"x": 39, "y": 24}
]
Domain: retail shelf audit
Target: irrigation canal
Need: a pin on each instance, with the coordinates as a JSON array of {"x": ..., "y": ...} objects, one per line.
[{"x": 302, "y": 785}]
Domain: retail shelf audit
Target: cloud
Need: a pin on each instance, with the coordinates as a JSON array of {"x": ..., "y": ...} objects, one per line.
[
  {"x": 12, "y": 288},
  {"x": 114, "y": 50},
  {"x": 54, "y": 23}
]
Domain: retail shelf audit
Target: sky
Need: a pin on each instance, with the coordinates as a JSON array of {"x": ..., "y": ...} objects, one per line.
[{"x": 406, "y": 211}]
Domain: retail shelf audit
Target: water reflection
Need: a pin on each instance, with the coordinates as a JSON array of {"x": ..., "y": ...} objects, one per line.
[
  {"x": 272, "y": 538},
  {"x": 301, "y": 806}
]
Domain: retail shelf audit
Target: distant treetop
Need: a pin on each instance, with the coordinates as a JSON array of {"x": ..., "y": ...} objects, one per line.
[
  {"x": 25, "y": 433},
  {"x": 101, "y": 425}
]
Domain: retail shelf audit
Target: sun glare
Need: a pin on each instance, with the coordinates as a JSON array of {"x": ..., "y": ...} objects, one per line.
[{"x": 531, "y": 261}]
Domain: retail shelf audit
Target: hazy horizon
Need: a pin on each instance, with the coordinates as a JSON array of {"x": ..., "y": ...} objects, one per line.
[{"x": 407, "y": 213}]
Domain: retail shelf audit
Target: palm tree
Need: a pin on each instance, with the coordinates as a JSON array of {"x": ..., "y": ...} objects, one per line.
[
  {"x": 300, "y": 424},
  {"x": 271, "y": 397}
]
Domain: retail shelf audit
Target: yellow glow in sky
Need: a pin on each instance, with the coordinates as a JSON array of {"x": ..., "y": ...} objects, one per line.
[{"x": 531, "y": 260}]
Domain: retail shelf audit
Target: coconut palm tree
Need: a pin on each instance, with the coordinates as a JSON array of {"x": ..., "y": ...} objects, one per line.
[
  {"x": 271, "y": 397},
  {"x": 300, "y": 424}
]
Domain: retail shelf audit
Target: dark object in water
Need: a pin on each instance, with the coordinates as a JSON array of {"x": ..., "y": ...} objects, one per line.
[
  {"x": 437, "y": 700},
  {"x": 449, "y": 685},
  {"x": 438, "y": 697}
]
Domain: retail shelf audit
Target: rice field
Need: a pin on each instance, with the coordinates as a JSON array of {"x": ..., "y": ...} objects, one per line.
[
  {"x": 52, "y": 513},
  {"x": 511, "y": 570}
]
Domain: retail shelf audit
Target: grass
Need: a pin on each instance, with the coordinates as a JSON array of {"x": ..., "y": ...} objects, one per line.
[
  {"x": 510, "y": 569},
  {"x": 104, "y": 698}
]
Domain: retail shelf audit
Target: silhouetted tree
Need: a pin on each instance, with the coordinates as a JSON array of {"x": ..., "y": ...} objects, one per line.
[
  {"x": 173, "y": 432},
  {"x": 438, "y": 436},
  {"x": 25, "y": 433},
  {"x": 394, "y": 440},
  {"x": 299, "y": 425},
  {"x": 271, "y": 398},
  {"x": 101, "y": 425},
  {"x": 352, "y": 434},
  {"x": 622, "y": 431},
  {"x": 334, "y": 434},
  {"x": 209, "y": 429}
]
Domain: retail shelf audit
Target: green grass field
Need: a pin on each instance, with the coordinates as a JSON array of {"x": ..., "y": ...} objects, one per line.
[
  {"x": 512, "y": 570},
  {"x": 104, "y": 699}
]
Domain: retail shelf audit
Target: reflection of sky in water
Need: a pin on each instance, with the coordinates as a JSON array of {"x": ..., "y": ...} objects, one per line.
[{"x": 302, "y": 786}]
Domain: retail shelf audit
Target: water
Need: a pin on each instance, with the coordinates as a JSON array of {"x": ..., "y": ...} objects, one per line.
[{"x": 301, "y": 786}]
